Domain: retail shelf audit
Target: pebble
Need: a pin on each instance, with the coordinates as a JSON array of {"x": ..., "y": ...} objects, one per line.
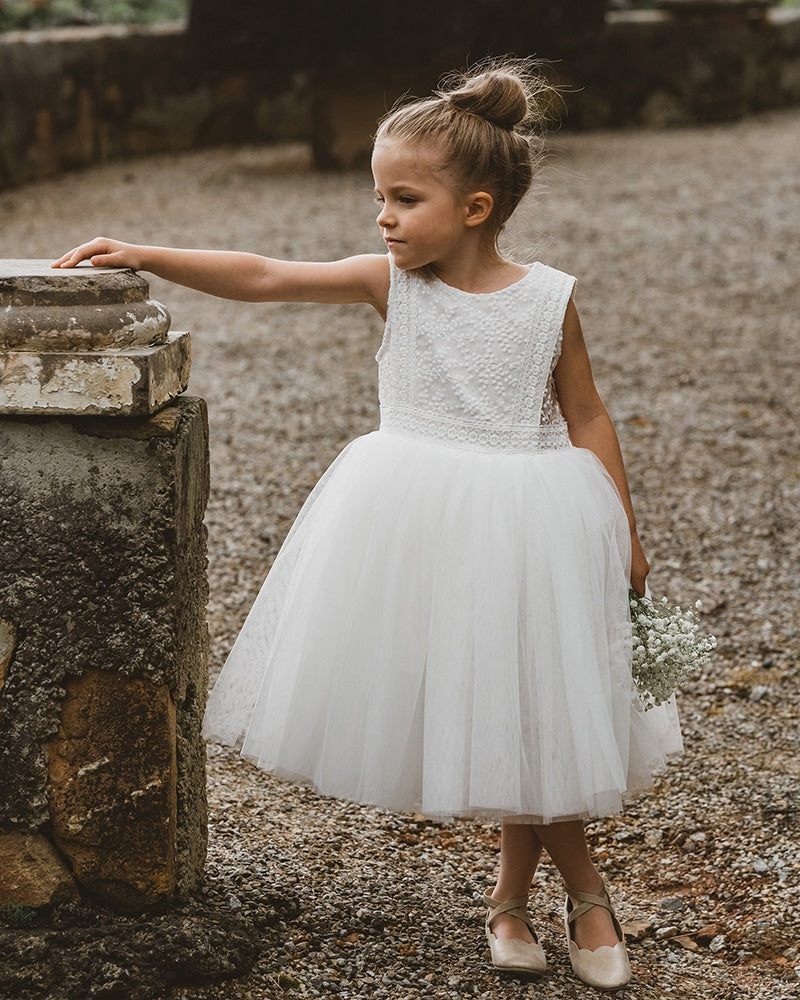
[{"x": 686, "y": 941}]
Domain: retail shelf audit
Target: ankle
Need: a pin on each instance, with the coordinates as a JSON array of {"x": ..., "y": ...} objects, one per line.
[
  {"x": 593, "y": 884},
  {"x": 505, "y": 890}
]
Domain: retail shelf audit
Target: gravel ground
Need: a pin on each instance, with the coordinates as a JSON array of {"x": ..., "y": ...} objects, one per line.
[{"x": 686, "y": 244}]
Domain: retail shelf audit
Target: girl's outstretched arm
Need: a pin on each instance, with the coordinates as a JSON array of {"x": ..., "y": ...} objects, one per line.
[
  {"x": 247, "y": 277},
  {"x": 591, "y": 427}
]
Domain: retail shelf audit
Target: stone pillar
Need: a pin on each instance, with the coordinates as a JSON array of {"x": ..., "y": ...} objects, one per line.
[{"x": 103, "y": 639}]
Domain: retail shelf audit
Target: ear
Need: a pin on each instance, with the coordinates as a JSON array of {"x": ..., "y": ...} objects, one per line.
[{"x": 479, "y": 206}]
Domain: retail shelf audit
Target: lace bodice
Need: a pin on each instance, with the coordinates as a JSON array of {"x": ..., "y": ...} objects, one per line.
[{"x": 474, "y": 370}]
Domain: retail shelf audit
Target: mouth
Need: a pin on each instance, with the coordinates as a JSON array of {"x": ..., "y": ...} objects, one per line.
[{"x": 390, "y": 241}]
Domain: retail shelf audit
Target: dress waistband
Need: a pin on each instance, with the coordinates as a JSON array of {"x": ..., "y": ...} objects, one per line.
[{"x": 473, "y": 435}]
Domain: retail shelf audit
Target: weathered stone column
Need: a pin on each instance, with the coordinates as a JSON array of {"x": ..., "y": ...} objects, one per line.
[{"x": 103, "y": 639}]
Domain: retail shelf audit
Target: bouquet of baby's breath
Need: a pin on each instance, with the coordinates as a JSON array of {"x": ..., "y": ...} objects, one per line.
[{"x": 668, "y": 647}]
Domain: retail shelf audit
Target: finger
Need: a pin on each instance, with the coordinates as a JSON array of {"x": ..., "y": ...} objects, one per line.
[
  {"x": 83, "y": 252},
  {"x": 104, "y": 260},
  {"x": 71, "y": 259},
  {"x": 64, "y": 260}
]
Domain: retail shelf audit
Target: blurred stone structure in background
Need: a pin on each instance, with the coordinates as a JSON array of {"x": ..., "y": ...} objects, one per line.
[
  {"x": 103, "y": 592},
  {"x": 247, "y": 71},
  {"x": 357, "y": 57}
]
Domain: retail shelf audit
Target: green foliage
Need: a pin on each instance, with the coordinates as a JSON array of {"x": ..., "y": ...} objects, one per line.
[{"x": 36, "y": 14}]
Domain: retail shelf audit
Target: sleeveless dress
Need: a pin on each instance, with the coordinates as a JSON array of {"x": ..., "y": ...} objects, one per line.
[{"x": 446, "y": 628}]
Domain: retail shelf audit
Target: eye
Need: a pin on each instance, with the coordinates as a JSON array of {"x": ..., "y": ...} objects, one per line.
[
  {"x": 407, "y": 199},
  {"x": 378, "y": 199}
]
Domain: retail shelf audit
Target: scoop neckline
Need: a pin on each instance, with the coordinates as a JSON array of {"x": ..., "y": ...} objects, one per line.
[{"x": 497, "y": 291}]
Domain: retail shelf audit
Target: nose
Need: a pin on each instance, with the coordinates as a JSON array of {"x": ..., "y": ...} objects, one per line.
[{"x": 384, "y": 218}]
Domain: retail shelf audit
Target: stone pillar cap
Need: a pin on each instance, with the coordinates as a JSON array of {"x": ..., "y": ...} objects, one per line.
[
  {"x": 85, "y": 340},
  {"x": 81, "y": 308}
]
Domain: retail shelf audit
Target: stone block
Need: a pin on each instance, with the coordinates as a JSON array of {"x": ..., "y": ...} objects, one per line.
[
  {"x": 128, "y": 382},
  {"x": 112, "y": 787},
  {"x": 31, "y": 872},
  {"x": 663, "y": 110},
  {"x": 103, "y": 569}
]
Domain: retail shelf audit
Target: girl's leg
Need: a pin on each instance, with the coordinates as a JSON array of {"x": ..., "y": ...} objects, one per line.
[
  {"x": 520, "y": 850},
  {"x": 566, "y": 844}
]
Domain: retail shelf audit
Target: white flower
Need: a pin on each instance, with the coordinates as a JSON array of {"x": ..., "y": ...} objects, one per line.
[{"x": 667, "y": 647}]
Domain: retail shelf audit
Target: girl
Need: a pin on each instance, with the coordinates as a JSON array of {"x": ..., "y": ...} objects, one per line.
[{"x": 446, "y": 628}]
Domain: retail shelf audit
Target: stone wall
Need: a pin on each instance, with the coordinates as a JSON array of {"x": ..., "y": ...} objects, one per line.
[
  {"x": 73, "y": 97},
  {"x": 653, "y": 69}
]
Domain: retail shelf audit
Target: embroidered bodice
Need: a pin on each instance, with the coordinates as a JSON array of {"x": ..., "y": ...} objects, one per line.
[{"x": 474, "y": 370}]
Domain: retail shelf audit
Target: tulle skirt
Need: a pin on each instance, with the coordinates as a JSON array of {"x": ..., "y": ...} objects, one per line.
[{"x": 447, "y": 631}]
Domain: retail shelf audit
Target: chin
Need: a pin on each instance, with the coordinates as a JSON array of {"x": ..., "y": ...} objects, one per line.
[{"x": 405, "y": 263}]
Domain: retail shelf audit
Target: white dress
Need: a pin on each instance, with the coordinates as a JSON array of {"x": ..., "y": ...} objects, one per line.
[{"x": 446, "y": 627}]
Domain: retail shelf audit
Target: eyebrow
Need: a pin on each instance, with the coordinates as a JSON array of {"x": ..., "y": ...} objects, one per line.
[{"x": 402, "y": 186}]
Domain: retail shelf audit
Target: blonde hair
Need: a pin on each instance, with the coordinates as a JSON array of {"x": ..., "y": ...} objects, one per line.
[{"x": 488, "y": 123}]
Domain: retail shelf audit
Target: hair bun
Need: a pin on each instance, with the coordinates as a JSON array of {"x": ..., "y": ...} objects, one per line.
[{"x": 497, "y": 95}]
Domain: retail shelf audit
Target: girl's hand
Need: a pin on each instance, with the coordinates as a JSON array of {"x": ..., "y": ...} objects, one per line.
[
  {"x": 103, "y": 252},
  {"x": 640, "y": 567}
]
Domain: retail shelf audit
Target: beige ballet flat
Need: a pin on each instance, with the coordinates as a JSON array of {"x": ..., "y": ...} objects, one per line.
[
  {"x": 511, "y": 954},
  {"x": 606, "y": 967}
]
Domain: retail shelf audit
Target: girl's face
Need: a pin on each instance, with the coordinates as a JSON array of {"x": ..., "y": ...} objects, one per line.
[{"x": 423, "y": 216}]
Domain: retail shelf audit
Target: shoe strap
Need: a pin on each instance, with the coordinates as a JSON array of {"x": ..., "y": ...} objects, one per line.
[
  {"x": 513, "y": 907},
  {"x": 582, "y": 902}
]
